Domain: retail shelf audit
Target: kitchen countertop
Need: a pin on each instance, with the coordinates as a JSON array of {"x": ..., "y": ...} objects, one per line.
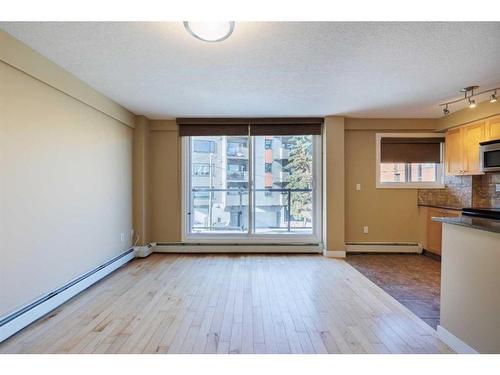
[
  {"x": 440, "y": 206},
  {"x": 488, "y": 225}
]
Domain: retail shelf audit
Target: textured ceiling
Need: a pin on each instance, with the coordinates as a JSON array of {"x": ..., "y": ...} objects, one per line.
[{"x": 274, "y": 69}]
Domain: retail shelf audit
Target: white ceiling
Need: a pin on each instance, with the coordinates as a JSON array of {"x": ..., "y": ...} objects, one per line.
[{"x": 364, "y": 69}]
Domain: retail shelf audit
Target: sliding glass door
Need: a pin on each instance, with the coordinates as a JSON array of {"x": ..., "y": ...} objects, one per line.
[
  {"x": 219, "y": 185},
  {"x": 283, "y": 185},
  {"x": 252, "y": 188}
]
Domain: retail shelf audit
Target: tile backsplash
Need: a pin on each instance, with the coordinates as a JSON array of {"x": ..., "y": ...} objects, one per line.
[
  {"x": 484, "y": 192},
  {"x": 457, "y": 193},
  {"x": 464, "y": 191}
]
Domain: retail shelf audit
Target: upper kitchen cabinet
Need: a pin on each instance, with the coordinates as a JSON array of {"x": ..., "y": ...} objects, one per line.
[
  {"x": 472, "y": 135},
  {"x": 454, "y": 158},
  {"x": 462, "y": 149},
  {"x": 493, "y": 128}
]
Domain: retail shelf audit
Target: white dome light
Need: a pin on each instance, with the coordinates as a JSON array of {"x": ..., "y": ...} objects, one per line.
[{"x": 210, "y": 31}]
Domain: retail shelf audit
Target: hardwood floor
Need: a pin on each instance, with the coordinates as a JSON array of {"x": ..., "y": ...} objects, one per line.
[{"x": 170, "y": 303}]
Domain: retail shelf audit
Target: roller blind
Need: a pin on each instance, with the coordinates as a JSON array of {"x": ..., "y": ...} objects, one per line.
[
  {"x": 189, "y": 127},
  {"x": 287, "y": 126},
  {"x": 249, "y": 126},
  {"x": 410, "y": 150}
]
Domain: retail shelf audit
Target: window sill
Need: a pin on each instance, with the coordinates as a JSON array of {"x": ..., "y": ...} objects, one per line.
[
  {"x": 410, "y": 186},
  {"x": 251, "y": 239}
]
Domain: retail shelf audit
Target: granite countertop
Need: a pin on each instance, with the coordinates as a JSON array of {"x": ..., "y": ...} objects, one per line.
[
  {"x": 488, "y": 225},
  {"x": 454, "y": 208}
]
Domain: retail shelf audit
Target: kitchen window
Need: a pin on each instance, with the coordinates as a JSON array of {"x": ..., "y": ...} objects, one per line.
[{"x": 405, "y": 160}]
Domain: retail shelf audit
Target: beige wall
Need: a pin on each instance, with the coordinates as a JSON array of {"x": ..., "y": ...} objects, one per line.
[
  {"x": 391, "y": 124},
  {"x": 333, "y": 184},
  {"x": 65, "y": 188},
  {"x": 164, "y": 202},
  {"x": 23, "y": 58},
  {"x": 391, "y": 214},
  {"x": 140, "y": 187}
]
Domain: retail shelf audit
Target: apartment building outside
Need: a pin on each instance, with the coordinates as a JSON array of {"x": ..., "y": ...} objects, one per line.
[{"x": 220, "y": 168}]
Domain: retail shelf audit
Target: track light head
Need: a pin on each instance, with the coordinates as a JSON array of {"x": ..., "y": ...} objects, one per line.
[
  {"x": 493, "y": 97},
  {"x": 472, "y": 103}
]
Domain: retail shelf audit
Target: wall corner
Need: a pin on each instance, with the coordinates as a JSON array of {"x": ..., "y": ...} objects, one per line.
[{"x": 334, "y": 184}]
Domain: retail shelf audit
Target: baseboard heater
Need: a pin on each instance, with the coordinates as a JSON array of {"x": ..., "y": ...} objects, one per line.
[
  {"x": 28, "y": 314},
  {"x": 184, "y": 247},
  {"x": 383, "y": 247}
]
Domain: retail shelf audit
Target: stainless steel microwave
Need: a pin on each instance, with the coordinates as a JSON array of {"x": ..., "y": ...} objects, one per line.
[{"x": 490, "y": 156}]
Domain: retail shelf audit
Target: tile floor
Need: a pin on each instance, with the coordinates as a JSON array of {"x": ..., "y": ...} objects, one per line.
[{"x": 414, "y": 280}]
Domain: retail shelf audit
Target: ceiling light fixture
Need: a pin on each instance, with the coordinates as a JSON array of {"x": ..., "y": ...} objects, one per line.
[
  {"x": 210, "y": 31},
  {"x": 470, "y": 97}
]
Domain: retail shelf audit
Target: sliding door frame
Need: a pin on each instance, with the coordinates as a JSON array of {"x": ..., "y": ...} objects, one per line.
[{"x": 249, "y": 236}]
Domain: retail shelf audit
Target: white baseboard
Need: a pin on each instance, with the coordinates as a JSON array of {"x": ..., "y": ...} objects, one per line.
[
  {"x": 21, "y": 318},
  {"x": 143, "y": 251},
  {"x": 454, "y": 342},
  {"x": 334, "y": 254},
  {"x": 381, "y": 247},
  {"x": 232, "y": 248}
]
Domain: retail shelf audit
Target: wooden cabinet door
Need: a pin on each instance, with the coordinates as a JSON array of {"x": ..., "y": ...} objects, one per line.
[
  {"x": 434, "y": 228},
  {"x": 434, "y": 231},
  {"x": 493, "y": 129},
  {"x": 472, "y": 135},
  {"x": 454, "y": 152}
]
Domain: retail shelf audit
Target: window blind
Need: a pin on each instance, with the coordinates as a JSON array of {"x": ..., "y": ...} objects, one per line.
[
  {"x": 249, "y": 126},
  {"x": 410, "y": 150}
]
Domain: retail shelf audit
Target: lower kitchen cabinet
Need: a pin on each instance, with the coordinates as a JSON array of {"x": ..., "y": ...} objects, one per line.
[{"x": 434, "y": 229}]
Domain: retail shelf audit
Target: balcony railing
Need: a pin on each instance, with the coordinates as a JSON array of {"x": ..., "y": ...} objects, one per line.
[{"x": 238, "y": 195}]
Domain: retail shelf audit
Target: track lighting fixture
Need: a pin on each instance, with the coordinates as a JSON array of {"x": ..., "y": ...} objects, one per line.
[{"x": 470, "y": 97}]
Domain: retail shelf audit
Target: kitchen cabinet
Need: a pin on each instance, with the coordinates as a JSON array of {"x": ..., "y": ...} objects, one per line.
[
  {"x": 462, "y": 149},
  {"x": 472, "y": 135},
  {"x": 434, "y": 228},
  {"x": 493, "y": 128},
  {"x": 454, "y": 160}
]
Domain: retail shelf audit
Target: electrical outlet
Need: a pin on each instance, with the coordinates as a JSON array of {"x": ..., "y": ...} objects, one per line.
[
  {"x": 497, "y": 188},
  {"x": 365, "y": 229},
  {"x": 122, "y": 237},
  {"x": 358, "y": 187}
]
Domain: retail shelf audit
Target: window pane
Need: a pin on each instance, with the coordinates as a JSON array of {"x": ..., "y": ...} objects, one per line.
[
  {"x": 283, "y": 184},
  {"x": 201, "y": 169},
  {"x": 392, "y": 172},
  {"x": 219, "y": 184},
  {"x": 423, "y": 172},
  {"x": 204, "y": 145}
]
